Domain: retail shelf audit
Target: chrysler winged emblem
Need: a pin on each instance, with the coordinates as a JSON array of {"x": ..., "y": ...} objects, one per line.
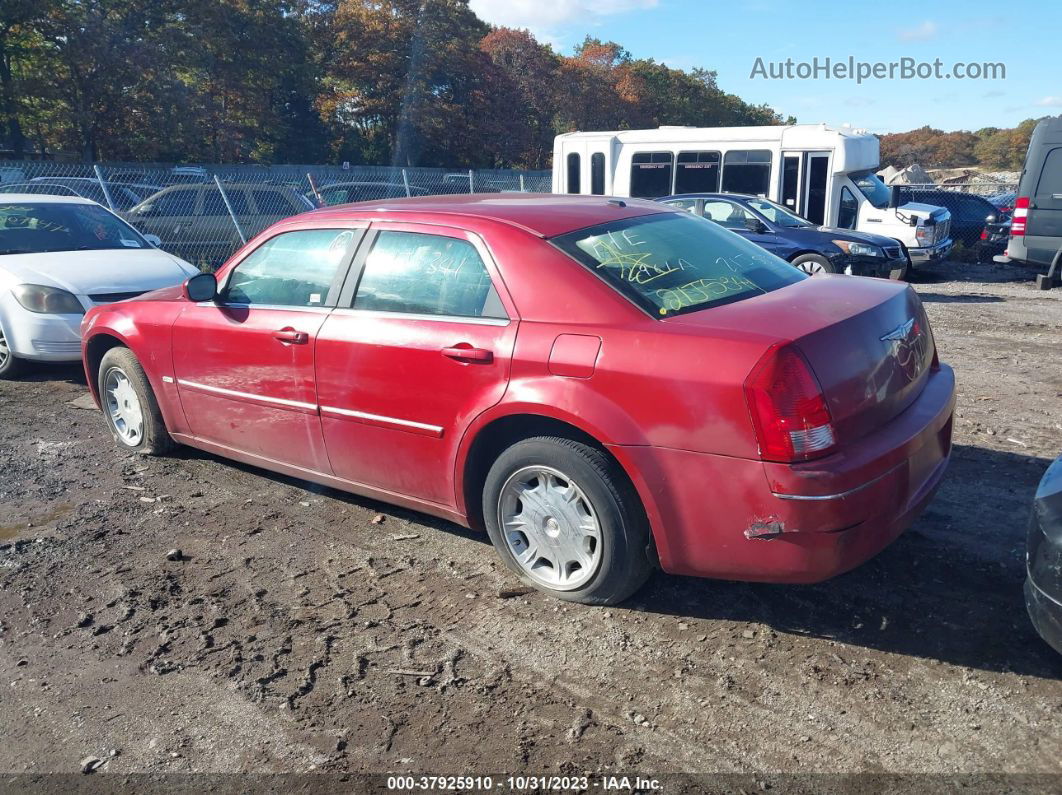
[
  {"x": 899, "y": 333},
  {"x": 908, "y": 346}
]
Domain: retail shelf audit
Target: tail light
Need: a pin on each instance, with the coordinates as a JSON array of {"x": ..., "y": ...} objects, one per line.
[
  {"x": 788, "y": 408},
  {"x": 984, "y": 233},
  {"x": 1021, "y": 212}
]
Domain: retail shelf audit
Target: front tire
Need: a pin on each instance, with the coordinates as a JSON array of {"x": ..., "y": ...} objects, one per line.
[
  {"x": 129, "y": 406},
  {"x": 813, "y": 264},
  {"x": 562, "y": 516}
]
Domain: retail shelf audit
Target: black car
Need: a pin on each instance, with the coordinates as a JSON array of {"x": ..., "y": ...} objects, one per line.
[
  {"x": 993, "y": 240},
  {"x": 813, "y": 249},
  {"x": 969, "y": 212},
  {"x": 1043, "y": 583}
]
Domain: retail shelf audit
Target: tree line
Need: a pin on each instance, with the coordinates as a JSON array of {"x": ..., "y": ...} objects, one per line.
[
  {"x": 402, "y": 82},
  {"x": 991, "y": 148}
]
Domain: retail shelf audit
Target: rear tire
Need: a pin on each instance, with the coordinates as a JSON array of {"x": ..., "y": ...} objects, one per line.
[
  {"x": 565, "y": 519},
  {"x": 129, "y": 407},
  {"x": 813, "y": 264},
  {"x": 10, "y": 365}
]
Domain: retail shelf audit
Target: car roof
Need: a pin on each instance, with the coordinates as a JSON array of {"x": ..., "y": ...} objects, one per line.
[
  {"x": 714, "y": 195},
  {"x": 541, "y": 214},
  {"x": 43, "y": 198}
]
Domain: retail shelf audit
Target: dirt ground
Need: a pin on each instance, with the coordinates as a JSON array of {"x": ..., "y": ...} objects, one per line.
[{"x": 295, "y": 634}]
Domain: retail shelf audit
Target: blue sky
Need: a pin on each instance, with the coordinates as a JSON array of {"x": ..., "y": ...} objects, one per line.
[{"x": 728, "y": 37}]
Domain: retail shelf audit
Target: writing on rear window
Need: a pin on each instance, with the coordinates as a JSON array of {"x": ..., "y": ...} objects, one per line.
[{"x": 670, "y": 263}]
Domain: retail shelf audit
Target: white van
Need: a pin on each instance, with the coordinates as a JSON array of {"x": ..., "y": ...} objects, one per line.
[{"x": 822, "y": 173}]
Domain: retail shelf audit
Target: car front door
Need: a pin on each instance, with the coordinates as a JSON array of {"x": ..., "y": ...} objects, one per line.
[
  {"x": 410, "y": 358},
  {"x": 244, "y": 363}
]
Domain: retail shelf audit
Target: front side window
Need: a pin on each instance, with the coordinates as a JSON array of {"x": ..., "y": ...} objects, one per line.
[
  {"x": 849, "y": 210},
  {"x": 36, "y": 227},
  {"x": 597, "y": 174},
  {"x": 651, "y": 174},
  {"x": 674, "y": 263},
  {"x": 747, "y": 171},
  {"x": 777, "y": 214},
  {"x": 730, "y": 215},
  {"x": 697, "y": 172},
  {"x": 293, "y": 269},
  {"x": 574, "y": 169},
  {"x": 423, "y": 274},
  {"x": 175, "y": 202}
]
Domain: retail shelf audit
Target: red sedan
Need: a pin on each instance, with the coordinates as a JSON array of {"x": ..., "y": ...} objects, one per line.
[{"x": 604, "y": 386}]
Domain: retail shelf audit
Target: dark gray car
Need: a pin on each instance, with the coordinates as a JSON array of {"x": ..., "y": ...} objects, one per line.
[
  {"x": 1036, "y": 232},
  {"x": 1043, "y": 584}
]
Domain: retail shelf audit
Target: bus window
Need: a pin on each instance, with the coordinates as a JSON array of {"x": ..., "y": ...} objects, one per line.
[
  {"x": 597, "y": 174},
  {"x": 697, "y": 172},
  {"x": 573, "y": 173},
  {"x": 747, "y": 171},
  {"x": 651, "y": 174}
]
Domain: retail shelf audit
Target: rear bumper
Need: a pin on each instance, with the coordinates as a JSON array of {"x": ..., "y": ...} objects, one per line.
[{"x": 740, "y": 519}]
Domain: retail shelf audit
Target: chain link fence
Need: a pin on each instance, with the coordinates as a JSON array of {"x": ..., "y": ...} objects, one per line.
[
  {"x": 974, "y": 207},
  {"x": 204, "y": 213}
]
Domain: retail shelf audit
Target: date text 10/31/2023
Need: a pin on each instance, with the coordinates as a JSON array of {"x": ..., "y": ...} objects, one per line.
[{"x": 523, "y": 783}]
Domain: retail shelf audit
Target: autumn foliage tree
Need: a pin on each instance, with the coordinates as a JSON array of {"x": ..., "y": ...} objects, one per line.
[{"x": 409, "y": 82}]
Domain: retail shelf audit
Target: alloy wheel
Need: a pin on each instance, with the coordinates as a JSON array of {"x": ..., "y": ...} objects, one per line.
[
  {"x": 550, "y": 527},
  {"x": 811, "y": 267},
  {"x": 123, "y": 407}
]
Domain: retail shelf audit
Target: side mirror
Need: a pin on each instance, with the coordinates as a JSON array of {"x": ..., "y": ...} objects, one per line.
[
  {"x": 201, "y": 287},
  {"x": 154, "y": 240},
  {"x": 755, "y": 225},
  {"x": 894, "y": 196}
]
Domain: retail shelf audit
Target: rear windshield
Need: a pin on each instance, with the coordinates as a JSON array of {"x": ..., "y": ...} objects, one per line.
[{"x": 673, "y": 263}]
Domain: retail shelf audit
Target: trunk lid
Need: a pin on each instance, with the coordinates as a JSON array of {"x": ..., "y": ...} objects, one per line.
[{"x": 867, "y": 340}]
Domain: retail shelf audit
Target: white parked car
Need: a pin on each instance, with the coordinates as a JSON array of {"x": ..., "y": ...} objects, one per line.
[{"x": 62, "y": 255}]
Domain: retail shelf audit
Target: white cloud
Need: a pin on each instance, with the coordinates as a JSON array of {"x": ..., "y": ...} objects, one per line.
[
  {"x": 927, "y": 30},
  {"x": 545, "y": 17},
  {"x": 1050, "y": 102}
]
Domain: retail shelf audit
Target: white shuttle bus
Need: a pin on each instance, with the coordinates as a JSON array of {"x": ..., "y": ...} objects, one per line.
[{"x": 825, "y": 174}]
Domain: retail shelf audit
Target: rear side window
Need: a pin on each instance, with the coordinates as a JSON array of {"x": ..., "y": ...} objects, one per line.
[
  {"x": 849, "y": 210},
  {"x": 293, "y": 269},
  {"x": 275, "y": 202},
  {"x": 1051, "y": 176},
  {"x": 214, "y": 203},
  {"x": 574, "y": 169},
  {"x": 697, "y": 172},
  {"x": 422, "y": 274},
  {"x": 747, "y": 171},
  {"x": 673, "y": 263},
  {"x": 651, "y": 174}
]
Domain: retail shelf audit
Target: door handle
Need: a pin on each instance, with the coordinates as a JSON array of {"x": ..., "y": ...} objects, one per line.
[
  {"x": 291, "y": 336},
  {"x": 464, "y": 352}
]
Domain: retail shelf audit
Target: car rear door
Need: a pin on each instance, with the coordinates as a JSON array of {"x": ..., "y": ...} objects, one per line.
[
  {"x": 419, "y": 345},
  {"x": 1044, "y": 228},
  {"x": 244, "y": 363}
]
